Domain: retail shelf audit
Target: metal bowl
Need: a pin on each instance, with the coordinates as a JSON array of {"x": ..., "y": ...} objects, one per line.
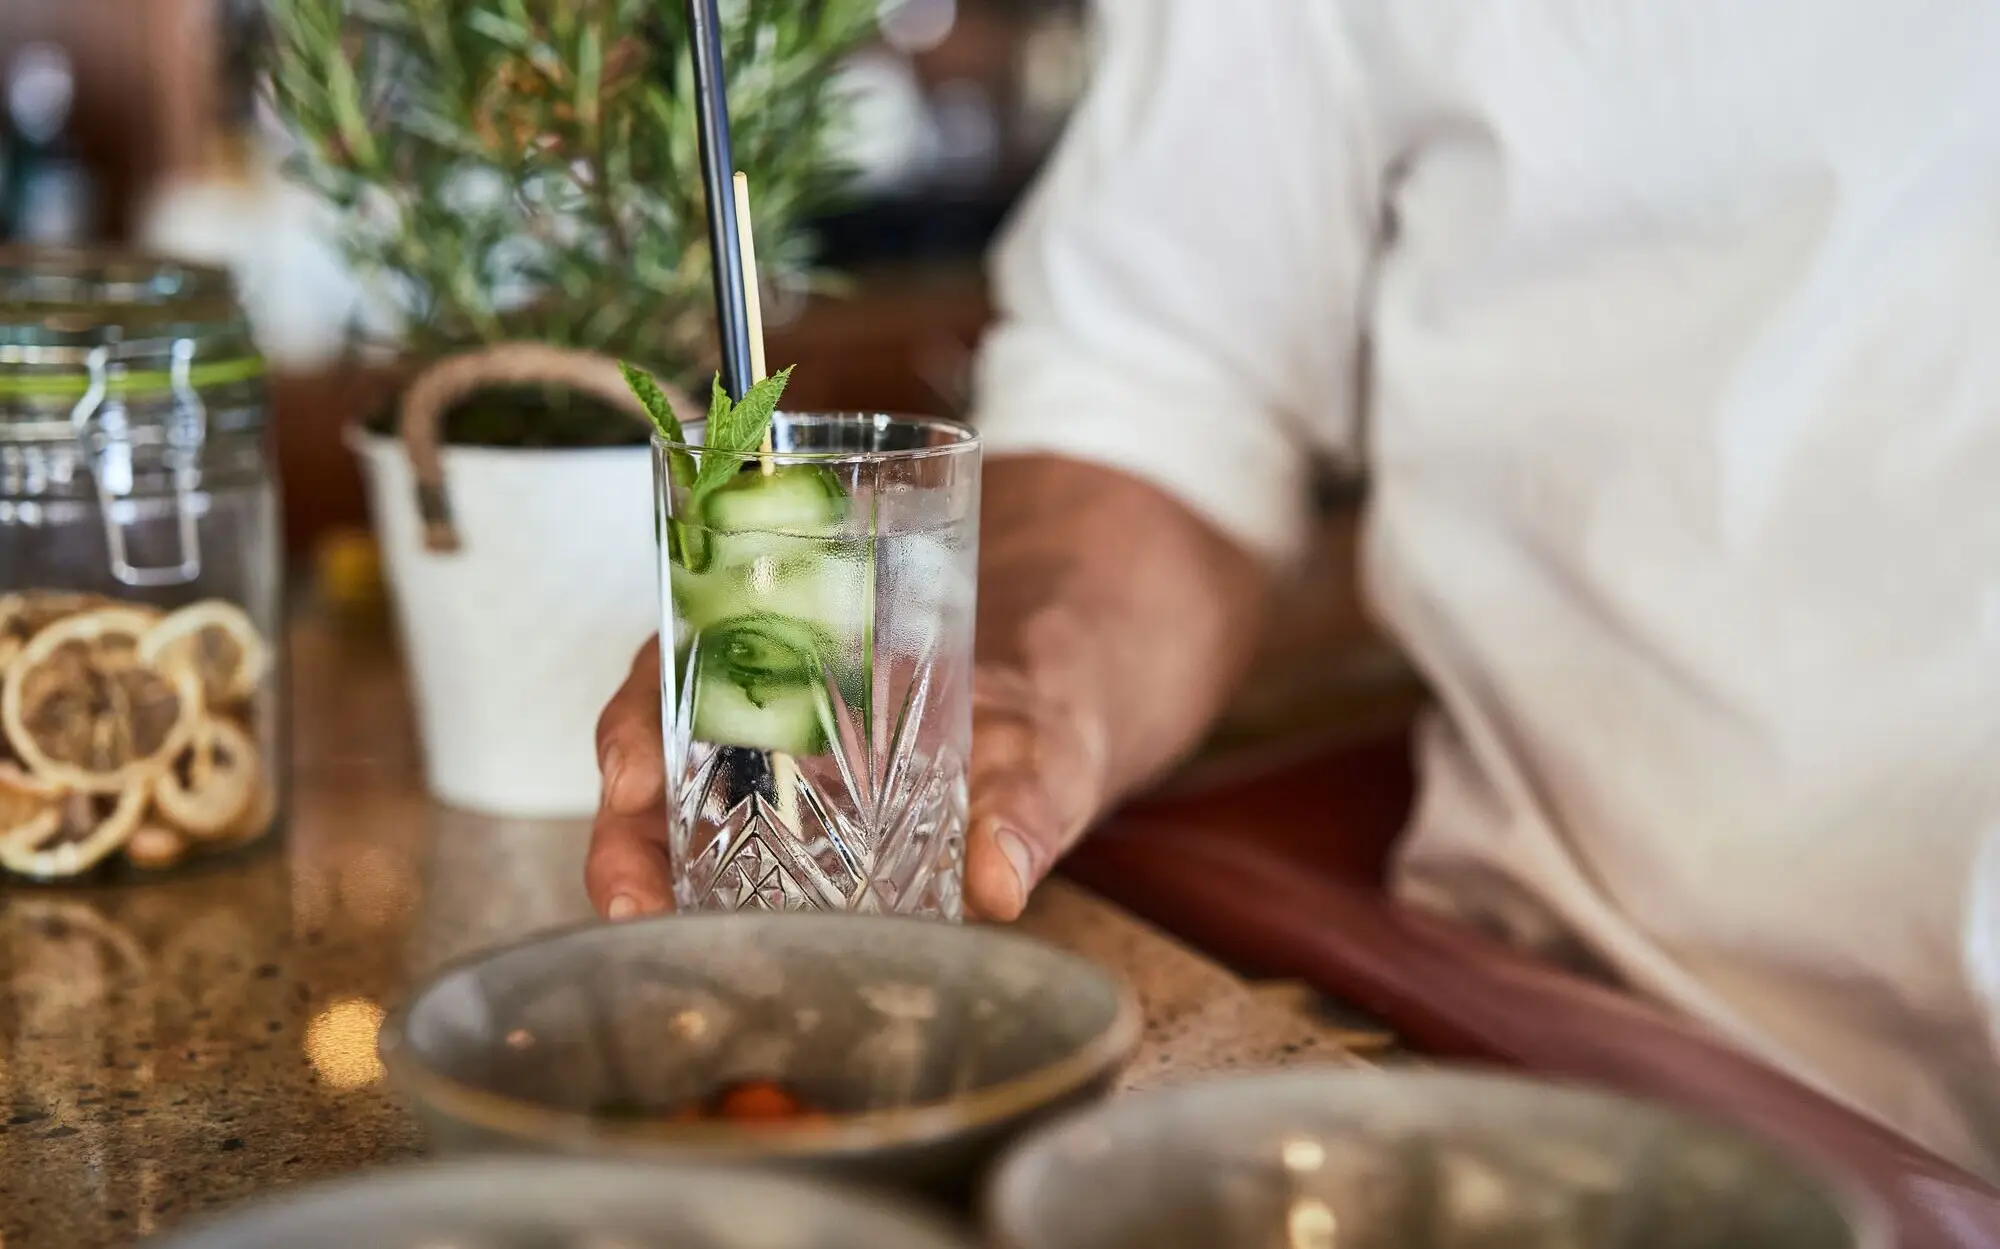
[
  {"x": 926, "y": 1045},
  {"x": 1411, "y": 1160},
  {"x": 495, "y": 1203}
]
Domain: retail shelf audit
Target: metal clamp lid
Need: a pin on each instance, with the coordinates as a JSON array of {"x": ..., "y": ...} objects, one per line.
[
  {"x": 103, "y": 432},
  {"x": 60, "y": 311}
]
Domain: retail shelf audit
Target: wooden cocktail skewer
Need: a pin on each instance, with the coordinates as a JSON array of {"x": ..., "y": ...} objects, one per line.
[
  {"x": 753, "y": 302},
  {"x": 784, "y": 769}
]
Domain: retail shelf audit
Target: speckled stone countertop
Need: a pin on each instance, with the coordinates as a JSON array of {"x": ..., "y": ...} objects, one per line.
[{"x": 166, "y": 1049}]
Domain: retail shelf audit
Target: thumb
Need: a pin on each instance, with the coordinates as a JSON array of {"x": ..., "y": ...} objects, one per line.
[{"x": 1037, "y": 771}]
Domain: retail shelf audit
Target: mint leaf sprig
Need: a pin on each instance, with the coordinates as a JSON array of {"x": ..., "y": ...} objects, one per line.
[
  {"x": 737, "y": 429},
  {"x": 734, "y": 429},
  {"x": 680, "y": 465},
  {"x": 647, "y": 391}
]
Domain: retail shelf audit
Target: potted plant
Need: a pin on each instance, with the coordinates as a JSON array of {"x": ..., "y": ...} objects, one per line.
[{"x": 519, "y": 179}]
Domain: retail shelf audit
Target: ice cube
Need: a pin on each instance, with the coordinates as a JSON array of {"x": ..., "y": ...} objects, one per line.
[{"x": 924, "y": 590}]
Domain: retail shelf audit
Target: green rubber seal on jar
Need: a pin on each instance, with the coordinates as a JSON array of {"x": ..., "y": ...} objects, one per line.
[{"x": 144, "y": 384}]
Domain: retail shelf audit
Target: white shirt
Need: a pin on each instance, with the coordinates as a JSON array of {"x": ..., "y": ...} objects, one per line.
[{"x": 1669, "y": 334}]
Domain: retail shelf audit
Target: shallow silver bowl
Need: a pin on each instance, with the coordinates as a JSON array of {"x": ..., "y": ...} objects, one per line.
[
  {"x": 926, "y": 1044},
  {"x": 1412, "y": 1160},
  {"x": 524, "y": 1203}
]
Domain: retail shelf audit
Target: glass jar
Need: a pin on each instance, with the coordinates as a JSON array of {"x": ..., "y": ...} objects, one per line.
[{"x": 140, "y": 571}]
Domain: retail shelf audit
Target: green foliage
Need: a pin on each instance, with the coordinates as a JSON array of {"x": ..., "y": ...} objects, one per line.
[{"x": 528, "y": 168}]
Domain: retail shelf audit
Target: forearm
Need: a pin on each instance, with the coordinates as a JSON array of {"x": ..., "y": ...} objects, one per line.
[{"x": 1118, "y": 599}]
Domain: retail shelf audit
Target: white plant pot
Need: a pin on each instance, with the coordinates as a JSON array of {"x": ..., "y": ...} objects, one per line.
[{"x": 515, "y": 641}]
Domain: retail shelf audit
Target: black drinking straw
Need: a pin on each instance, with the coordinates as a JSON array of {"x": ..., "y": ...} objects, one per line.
[
  {"x": 749, "y": 771},
  {"x": 718, "y": 163}
]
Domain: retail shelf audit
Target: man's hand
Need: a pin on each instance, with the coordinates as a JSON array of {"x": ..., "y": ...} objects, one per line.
[
  {"x": 626, "y": 873},
  {"x": 1035, "y": 785},
  {"x": 1039, "y": 752},
  {"x": 1112, "y": 624}
]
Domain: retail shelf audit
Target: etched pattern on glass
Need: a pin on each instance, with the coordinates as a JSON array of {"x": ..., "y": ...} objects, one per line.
[{"x": 862, "y": 828}]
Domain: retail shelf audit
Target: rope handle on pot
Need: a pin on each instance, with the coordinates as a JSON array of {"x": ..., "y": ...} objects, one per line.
[{"x": 440, "y": 386}]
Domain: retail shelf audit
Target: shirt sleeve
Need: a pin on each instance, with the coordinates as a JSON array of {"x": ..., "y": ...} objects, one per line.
[{"x": 1178, "y": 296}]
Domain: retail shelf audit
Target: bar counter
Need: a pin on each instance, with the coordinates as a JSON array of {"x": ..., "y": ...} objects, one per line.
[{"x": 170, "y": 1048}]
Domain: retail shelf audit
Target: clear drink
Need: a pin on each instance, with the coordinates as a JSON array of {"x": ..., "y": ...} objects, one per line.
[{"x": 817, "y": 615}]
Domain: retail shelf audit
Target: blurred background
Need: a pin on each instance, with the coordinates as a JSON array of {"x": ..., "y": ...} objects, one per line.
[
  {"x": 146, "y": 122},
  {"x": 140, "y": 121}
]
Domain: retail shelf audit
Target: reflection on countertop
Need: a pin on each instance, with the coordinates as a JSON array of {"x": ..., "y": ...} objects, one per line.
[{"x": 172, "y": 1047}]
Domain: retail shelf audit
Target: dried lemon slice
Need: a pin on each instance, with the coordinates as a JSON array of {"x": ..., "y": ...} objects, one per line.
[
  {"x": 89, "y": 828},
  {"x": 217, "y": 640},
  {"x": 81, "y": 710},
  {"x": 27, "y": 613},
  {"x": 29, "y": 808},
  {"x": 212, "y": 782},
  {"x": 153, "y": 847}
]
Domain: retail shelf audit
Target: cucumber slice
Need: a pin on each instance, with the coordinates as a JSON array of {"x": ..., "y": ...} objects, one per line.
[
  {"x": 796, "y": 499},
  {"x": 775, "y": 599},
  {"x": 789, "y": 720},
  {"x": 768, "y": 650},
  {"x": 760, "y": 685},
  {"x": 820, "y": 581}
]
